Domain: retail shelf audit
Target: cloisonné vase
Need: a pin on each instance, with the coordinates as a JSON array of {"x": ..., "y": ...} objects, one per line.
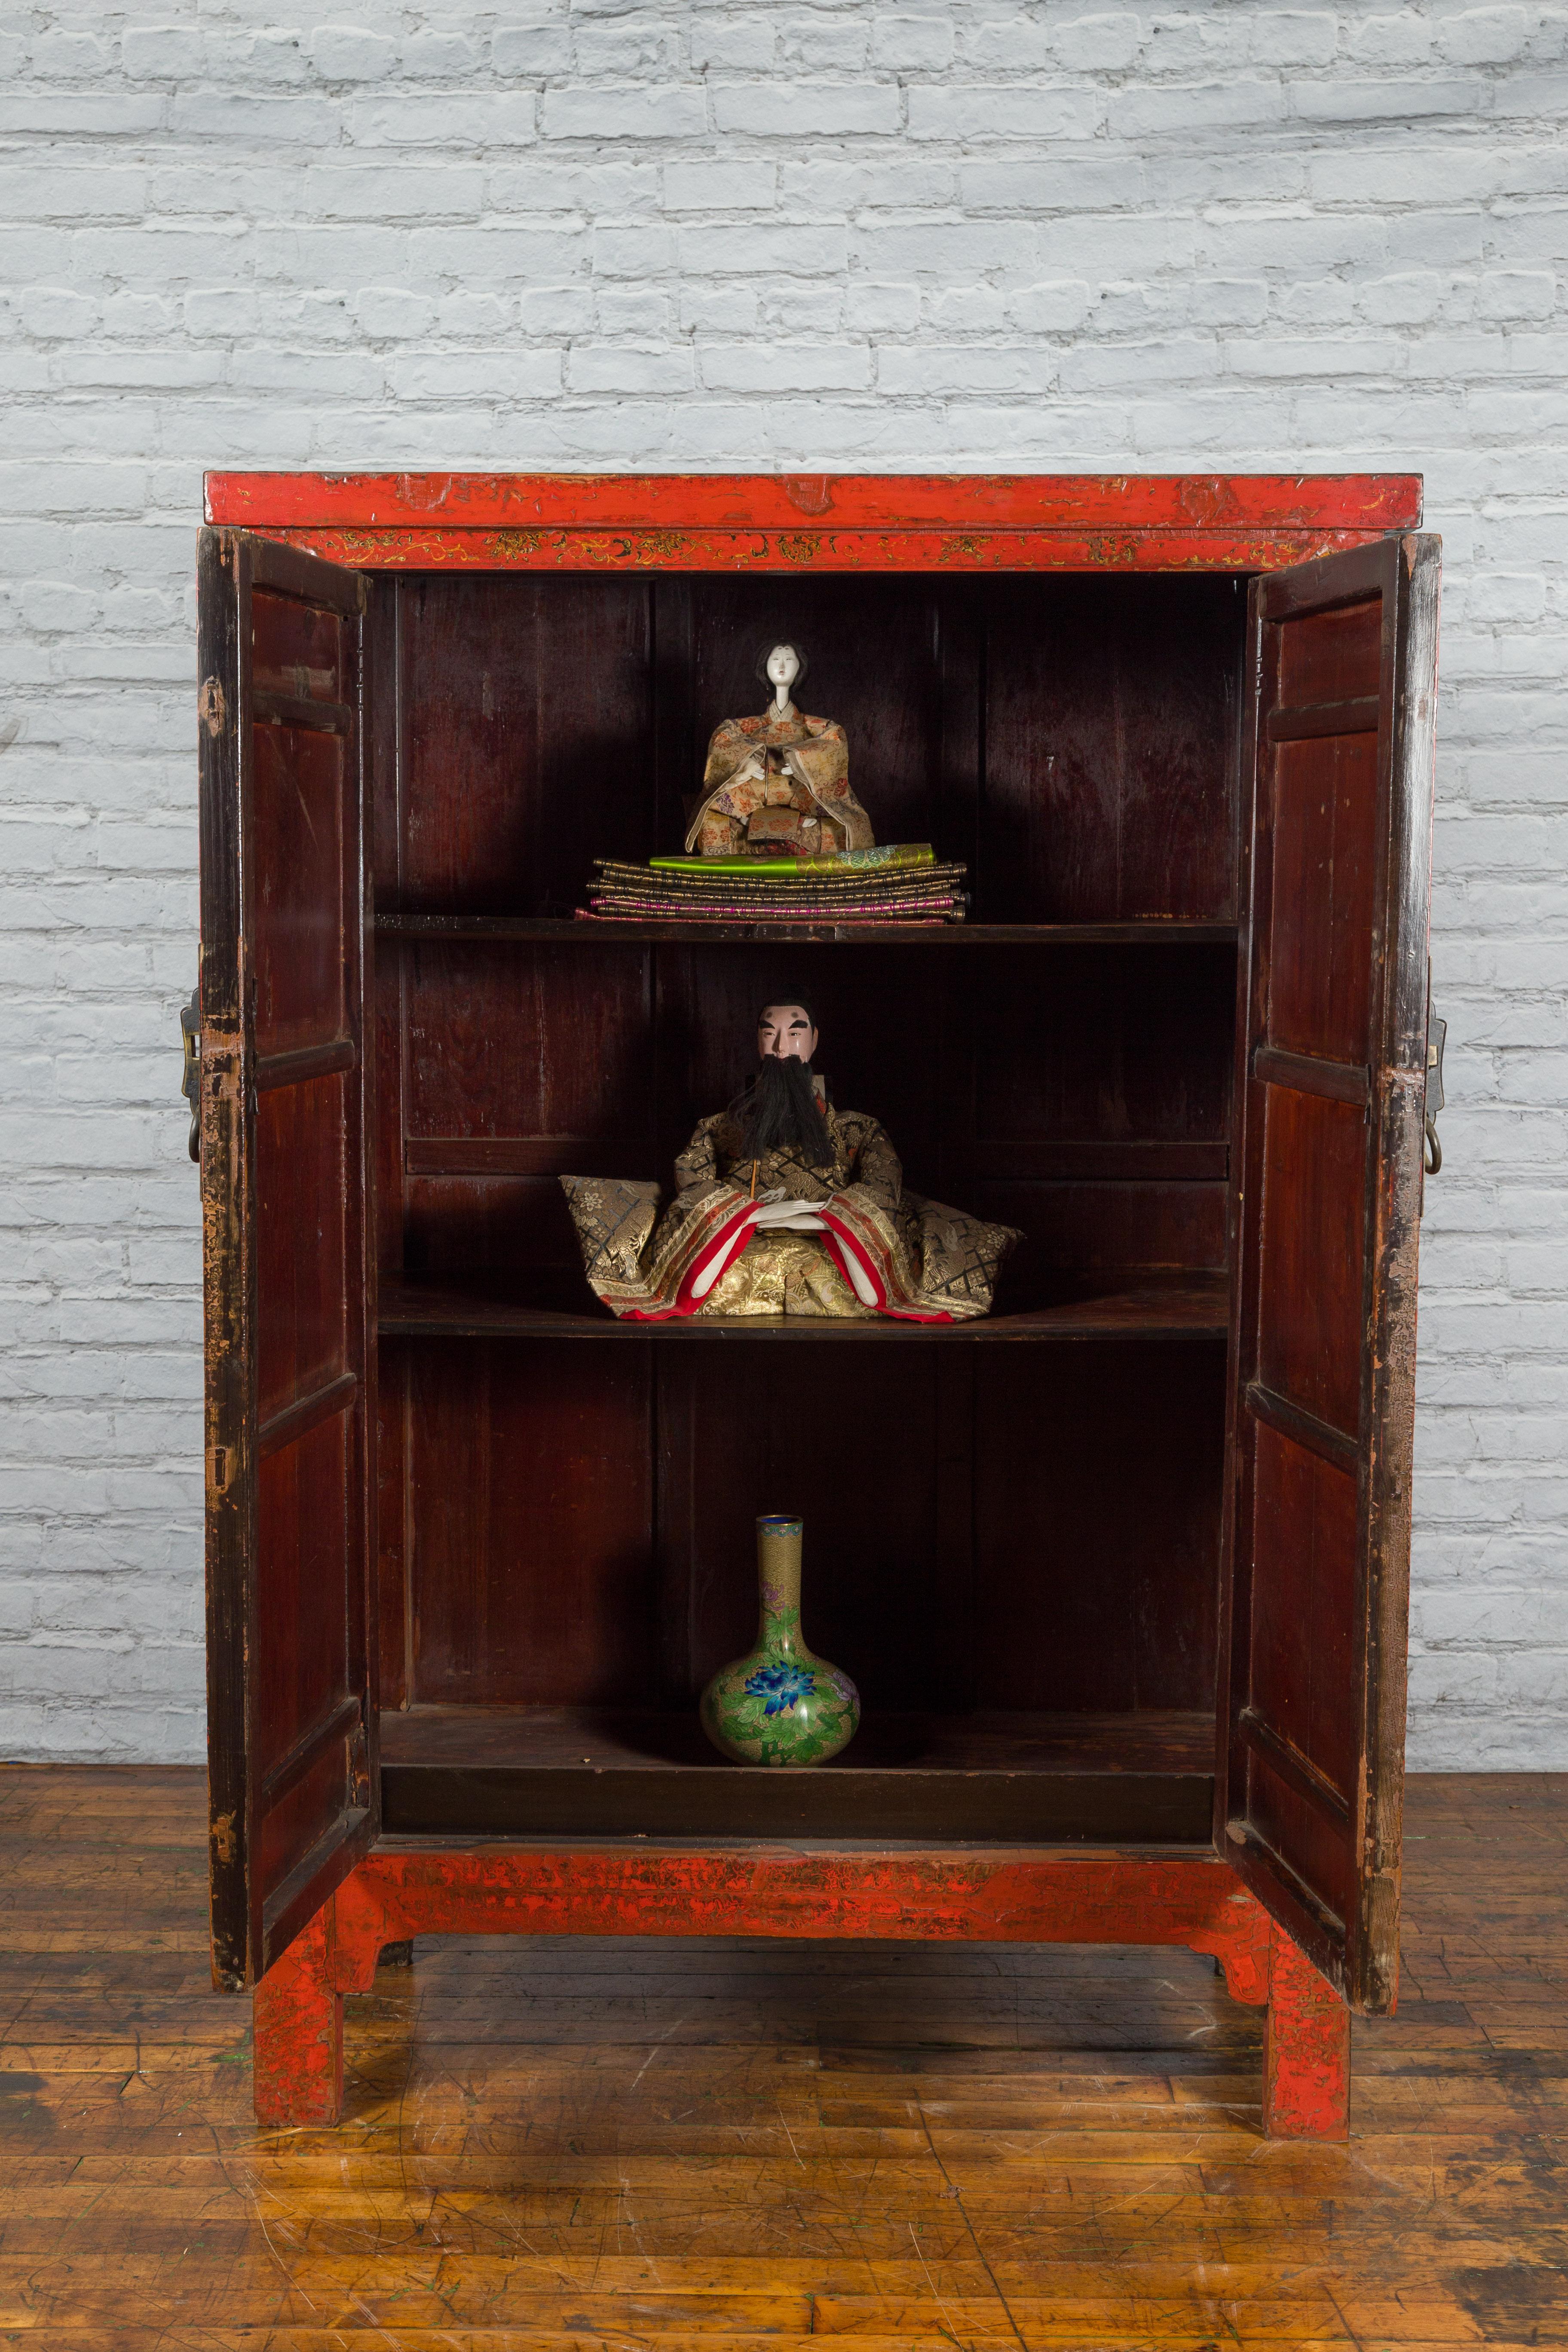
[{"x": 780, "y": 1704}]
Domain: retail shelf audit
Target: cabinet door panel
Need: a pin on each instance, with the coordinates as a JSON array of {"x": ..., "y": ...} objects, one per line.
[
  {"x": 1305, "y": 1691},
  {"x": 1325, "y": 806},
  {"x": 298, "y": 910},
  {"x": 301, "y": 1664},
  {"x": 303, "y": 1338},
  {"x": 1325, "y": 1194},
  {"x": 1311, "y": 1250},
  {"x": 285, "y": 1206}
]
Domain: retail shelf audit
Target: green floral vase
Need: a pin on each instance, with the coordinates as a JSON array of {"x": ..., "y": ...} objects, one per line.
[{"x": 780, "y": 1704}]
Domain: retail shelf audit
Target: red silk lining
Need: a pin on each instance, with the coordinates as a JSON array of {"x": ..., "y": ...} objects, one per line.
[
  {"x": 730, "y": 1239},
  {"x": 839, "y": 1240}
]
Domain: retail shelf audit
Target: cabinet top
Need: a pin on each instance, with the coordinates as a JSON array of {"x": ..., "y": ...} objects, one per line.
[{"x": 830, "y": 522}]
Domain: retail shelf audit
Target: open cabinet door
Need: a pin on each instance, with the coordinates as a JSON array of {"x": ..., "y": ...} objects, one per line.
[
  {"x": 1326, "y": 1192},
  {"x": 286, "y": 1216}
]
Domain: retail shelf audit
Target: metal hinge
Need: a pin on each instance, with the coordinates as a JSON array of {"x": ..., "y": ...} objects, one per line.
[
  {"x": 1436, "y": 1036},
  {"x": 191, "y": 1081}
]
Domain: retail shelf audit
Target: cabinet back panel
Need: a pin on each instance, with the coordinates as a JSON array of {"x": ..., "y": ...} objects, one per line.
[
  {"x": 526, "y": 736},
  {"x": 529, "y": 1482},
  {"x": 1111, "y": 720},
  {"x": 516, "y": 1224},
  {"x": 1103, "y": 1229},
  {"x": 533, "y": 1043},
  {"x": 1096, "y": 1504},
  {"x": 1104, "y": 1043}
]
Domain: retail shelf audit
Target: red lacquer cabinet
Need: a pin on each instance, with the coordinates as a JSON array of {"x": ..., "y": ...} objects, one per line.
[{"x": 1122, "y": 1571}]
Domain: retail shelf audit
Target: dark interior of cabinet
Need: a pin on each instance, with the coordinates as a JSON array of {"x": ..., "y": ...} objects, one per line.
[{"x": 1012, "y": 1527}]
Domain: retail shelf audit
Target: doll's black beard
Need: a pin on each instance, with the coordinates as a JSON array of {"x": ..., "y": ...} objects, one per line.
[{"x": 779, "y": 1112}]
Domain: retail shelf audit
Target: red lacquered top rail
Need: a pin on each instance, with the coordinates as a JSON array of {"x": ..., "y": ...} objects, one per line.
[{"x": 819, "y": 522}]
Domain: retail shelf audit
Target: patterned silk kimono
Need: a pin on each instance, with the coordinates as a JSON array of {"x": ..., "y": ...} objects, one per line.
[
  {"x": 883, "y": 1250},
  {"x": 802, "y": 806}
]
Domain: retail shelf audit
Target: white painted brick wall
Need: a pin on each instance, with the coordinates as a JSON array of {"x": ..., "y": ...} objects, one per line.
[{"x": 986, "y": 235}]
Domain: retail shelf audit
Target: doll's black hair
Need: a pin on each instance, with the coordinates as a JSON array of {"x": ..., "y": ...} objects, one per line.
[
  {"x": 800, "y": 653},
  {"x": 789, "y": 996}
]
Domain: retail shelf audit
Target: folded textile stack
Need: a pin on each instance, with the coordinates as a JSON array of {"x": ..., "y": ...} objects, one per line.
[{"x": 900, "y": 884}]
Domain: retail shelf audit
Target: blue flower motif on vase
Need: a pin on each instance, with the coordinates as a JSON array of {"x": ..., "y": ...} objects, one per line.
[{"x": 781, "y": 1687}]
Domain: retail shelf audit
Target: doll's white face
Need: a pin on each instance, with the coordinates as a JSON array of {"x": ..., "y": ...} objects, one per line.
[
  {"x": 785, "y": 1030},
  {"x": 784, "y": 669}
]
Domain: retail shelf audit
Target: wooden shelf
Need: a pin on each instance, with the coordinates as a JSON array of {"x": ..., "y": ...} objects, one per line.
[
  {"x": 1149, "y": 930},
  {"x": 609, "y": 1772},
  {"x": 485, "y": 1305}
]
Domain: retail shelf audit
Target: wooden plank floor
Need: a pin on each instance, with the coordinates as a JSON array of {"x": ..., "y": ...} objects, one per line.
[{"x": 721, "y": 2145}]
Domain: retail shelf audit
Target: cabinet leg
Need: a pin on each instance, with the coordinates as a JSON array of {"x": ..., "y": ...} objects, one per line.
[
  {"x": 1306, "y": 2051},
  {"x": 299, "y": 2030}
]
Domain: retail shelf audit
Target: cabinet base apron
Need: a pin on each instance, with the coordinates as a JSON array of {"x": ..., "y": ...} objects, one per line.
[{"x": 1003, "y": 1896}]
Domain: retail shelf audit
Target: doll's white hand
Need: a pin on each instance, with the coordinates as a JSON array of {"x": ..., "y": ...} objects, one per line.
[{"x": 790, "y": 1216}]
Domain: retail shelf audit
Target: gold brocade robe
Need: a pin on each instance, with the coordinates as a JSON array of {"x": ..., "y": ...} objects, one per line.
[
  {"x": 802, "y": 806},
  {"x": 919, "y": 1260}
]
